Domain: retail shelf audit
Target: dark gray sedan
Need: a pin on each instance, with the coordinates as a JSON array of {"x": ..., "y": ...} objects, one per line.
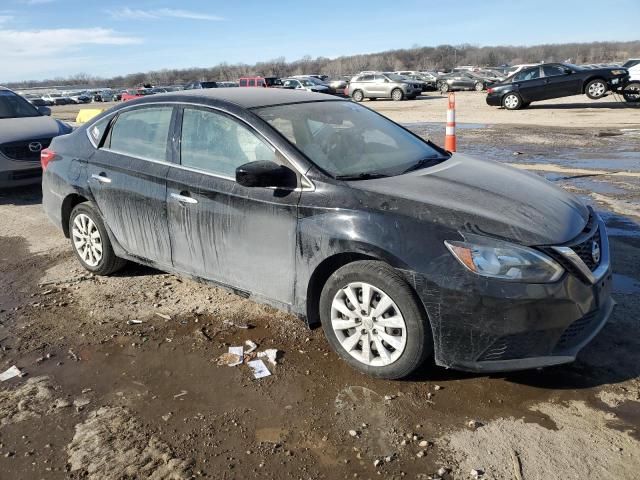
[{"x": 326, "y": 209}]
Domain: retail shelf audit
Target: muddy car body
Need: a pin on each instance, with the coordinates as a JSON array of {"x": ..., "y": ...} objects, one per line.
[{"x": 477, "y": 264}]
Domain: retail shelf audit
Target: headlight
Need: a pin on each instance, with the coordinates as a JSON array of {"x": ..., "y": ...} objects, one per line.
[
  {"x": 498, "y": 259},
  {"x": 619, "y": 72}
]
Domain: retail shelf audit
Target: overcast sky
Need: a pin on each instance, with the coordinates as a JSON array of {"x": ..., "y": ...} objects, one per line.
[{"x": 48, "y": 38}]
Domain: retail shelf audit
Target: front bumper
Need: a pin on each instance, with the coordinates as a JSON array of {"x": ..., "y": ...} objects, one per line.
[
  {"x": 487, "y": 325},
  {"x": 16, "y": 173}
]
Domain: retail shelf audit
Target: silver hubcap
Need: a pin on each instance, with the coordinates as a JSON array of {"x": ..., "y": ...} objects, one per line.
[
  {"x": 511, "y": 101},
  {"x": 87, "y": 240},
  {"x": 478, "y": 87},
  {"x": 597, "y": 89},
  {"x": 368, "y": 324},
  {"x": 397, "y": 95}
]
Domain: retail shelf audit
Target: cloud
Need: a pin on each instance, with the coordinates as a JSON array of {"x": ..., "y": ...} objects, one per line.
[
  {"x": 5, "y": 19},
  {"x": 139, "y": 14},
  {"x": 39, "y": 43}
]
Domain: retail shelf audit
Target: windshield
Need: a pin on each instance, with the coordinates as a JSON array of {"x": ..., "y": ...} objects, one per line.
[
  {"x": 394, "y": 77},
  {"x": 14, "y": 106},
  {"x": 631, "y": 63},
  {"x": 307, "y": 83},
  {"x": 348, "y": 140}
]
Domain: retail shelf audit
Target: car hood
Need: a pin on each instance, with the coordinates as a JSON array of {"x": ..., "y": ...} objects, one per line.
[
  {"x": 484, "y": 197},
  {"x": 17, "y": 129}
]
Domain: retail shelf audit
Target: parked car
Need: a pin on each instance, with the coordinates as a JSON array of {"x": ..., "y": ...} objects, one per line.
[
  {"x": 338, "y": 85},
  {"x": 25, "y": 130},
  {"x": 134, "y": 93},
  {"x": 264, "y": 82},
  {"x": 303, "y": 84},
  {"x": 200, "y": 85},
  {"x": 462, "y": 80},
  {"x": 323, "y": 208},
  {"x": 427, "y": 81},
  {"x": 554, "y": 80},
  {"x": 36, "y": 101},
  {"x": 379, "y": 85},
  {"x": 80, "y": 97},
  {"x": 57, "y": 99}
]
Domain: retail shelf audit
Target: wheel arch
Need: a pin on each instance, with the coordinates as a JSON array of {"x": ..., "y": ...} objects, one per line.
[{"x": 68, "y": 204}]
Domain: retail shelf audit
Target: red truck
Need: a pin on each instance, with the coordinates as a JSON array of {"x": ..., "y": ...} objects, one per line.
[
  {"x": 259, "y": 82},
  {"x": 135, "y": 93}
]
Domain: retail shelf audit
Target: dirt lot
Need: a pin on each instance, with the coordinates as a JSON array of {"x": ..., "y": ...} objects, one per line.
[
  {"x": 103, "y": 397},
  {"x": 578, "y": 111}
]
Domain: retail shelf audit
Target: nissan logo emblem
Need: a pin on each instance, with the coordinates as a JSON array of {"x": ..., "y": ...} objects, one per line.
[{"x": 35, "y": 147}]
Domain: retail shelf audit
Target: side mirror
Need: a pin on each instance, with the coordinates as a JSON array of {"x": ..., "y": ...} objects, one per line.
[
  {"x": 266, "y": 174},
  {"x": 44, "y": 111}
]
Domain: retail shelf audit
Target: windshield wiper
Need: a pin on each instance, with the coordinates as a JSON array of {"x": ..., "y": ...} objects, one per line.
[
  {"x": 362, "y": 176},
  {"x": 424, "y": 163}
]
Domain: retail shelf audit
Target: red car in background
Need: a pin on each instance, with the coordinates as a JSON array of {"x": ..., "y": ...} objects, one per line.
[
  {"x": 135, "y": 93},
  {"x": 265, "y": 82}
]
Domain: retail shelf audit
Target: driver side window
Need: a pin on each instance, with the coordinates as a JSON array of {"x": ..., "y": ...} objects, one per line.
[
  {"x": 218, "y": 144},
  {"x": 530, "y": 74}
]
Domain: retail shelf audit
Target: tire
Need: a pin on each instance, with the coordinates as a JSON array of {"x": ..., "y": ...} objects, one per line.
[
  {"x": 512, "y": 101},
  {"x": 357, "y": 96},
  {"x": 413, "y": 347},
  {"x": 631, "y": 92},
  {"x": 85, "y": 222},
  {"x": 596, "y": 89},
  {"x": 478, "y": 87},
  {"x": 444, "y": 87},
  {"x": 397, "y": 95}
]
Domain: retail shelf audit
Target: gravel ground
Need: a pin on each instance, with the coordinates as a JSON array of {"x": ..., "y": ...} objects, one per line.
[{"x": 123, "y": 381}]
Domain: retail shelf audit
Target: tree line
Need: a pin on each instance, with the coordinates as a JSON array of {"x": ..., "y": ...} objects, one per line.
[{"x": 440, "y": 58}]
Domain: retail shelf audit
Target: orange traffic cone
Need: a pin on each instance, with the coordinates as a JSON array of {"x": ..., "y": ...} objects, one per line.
[{"x": 450, "y": 134}]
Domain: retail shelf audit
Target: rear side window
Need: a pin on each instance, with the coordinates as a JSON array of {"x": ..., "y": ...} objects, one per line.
[
  {"x": 97, "y": 130},
  {"x": 529, "y": 74},
  {"x": 243, "y": 82},
  {"x": 252, "y": 82},
  {"x": 218, "y": 144},
  {"x": 142, "y": 133}
]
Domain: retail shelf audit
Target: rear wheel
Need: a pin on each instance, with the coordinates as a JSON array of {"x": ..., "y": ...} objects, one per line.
[
  {"x": 512, "y": 101},
  {"x": 479, "y": 86},
  {"x": 90, "y": 241},
  {"x": 397, "y": 94},
  {"x": 357, "y": 96},
  {"x": 444, "y": 87},
  {"x": 374, "y": 321},
  {"x": 596, "y": 89}
]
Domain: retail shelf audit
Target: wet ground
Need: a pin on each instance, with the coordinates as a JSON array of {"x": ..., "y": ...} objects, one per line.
[{"x": 106, "y": 397}]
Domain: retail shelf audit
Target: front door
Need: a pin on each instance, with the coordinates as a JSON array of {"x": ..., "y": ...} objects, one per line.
[
  {"x": 127, "y": 177},
  {"x": 561, "y": 81},
  {"x": 238, "y": 236}
]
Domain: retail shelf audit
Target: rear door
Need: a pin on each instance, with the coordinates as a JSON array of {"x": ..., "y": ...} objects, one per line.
[
  {"x": 238, "y": 236},
  {"x": 127, "y": 177},
  {"x": 530, "y": 84},
  {"x": 561, "y": 81}
]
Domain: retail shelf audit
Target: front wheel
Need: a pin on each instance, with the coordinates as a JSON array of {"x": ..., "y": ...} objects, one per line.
[
  {"x": 374, "y": 321},
  {"x": 479, "y": 87},
  {"x": 90, "y": 241},
  {"x": 444, "y": 87},
  {"x": 511, "y": 101},
  {"x": 357, "y": 96},
  {"x": 397, "y": 95},
  {"x": 596, "y": 89}
]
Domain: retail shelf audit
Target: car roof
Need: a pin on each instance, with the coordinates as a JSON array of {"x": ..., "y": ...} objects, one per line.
[{"x": 249, "y": 97}]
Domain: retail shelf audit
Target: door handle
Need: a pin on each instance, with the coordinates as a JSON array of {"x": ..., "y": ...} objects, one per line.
[
  {"x": 184, "y": 199},
  {"x": 102, "y": 178}
]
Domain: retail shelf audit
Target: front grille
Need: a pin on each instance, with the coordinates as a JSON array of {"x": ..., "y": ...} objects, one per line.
[
  {"x": 25, "y": 174},
  {"x": 576, "y": 332},
  {"x": 21, "y": 151},
  {"x": 584, "y": 250}
]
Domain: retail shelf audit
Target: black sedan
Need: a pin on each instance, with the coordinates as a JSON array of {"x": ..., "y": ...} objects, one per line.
[
  {"x": 554, "y": 80},
  {"x": 326, "y": 209}
]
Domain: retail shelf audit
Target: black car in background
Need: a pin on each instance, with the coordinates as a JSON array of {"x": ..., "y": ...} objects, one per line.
[
  {"x": 326, "y": 209},
  {"x": 200, "y": 85},
  {"x": 554, "y": 80}
]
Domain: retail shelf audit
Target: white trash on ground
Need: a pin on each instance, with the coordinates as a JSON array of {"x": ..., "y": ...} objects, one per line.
[{"x": 10, "y": 373}]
